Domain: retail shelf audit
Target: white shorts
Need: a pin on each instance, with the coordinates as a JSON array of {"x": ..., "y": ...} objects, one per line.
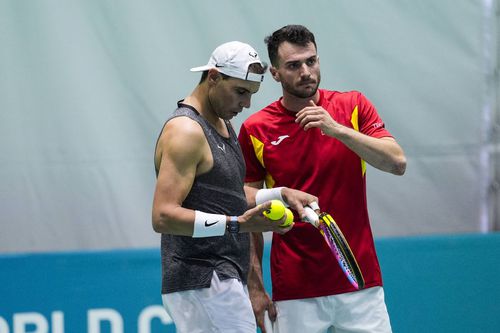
[
  {"x": 224, "y": 307},
  {"x": 361, "y": 311}
]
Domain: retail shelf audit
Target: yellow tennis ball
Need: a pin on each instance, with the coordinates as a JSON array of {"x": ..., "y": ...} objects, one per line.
[
  {"x": 276, "y": 211},
  {"x": 289, "y": 218}
]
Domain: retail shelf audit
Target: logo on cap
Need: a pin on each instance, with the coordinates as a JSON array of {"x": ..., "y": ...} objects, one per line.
[{"x": 252, "y": 54}]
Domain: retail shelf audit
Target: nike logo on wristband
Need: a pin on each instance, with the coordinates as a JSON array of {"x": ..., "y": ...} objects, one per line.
[{"x": 210, "y": 224}]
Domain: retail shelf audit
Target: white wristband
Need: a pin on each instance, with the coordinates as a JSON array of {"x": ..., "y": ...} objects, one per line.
[
  {"x": 208, "y": 225},
  {"x": 264, "y": 195}
]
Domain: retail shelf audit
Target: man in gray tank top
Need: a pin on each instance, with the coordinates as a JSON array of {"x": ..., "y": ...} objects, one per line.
[{"x": 201, "y": 206}]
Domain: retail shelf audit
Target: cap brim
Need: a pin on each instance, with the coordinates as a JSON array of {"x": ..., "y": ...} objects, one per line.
[{"x": 201, "y": 68}]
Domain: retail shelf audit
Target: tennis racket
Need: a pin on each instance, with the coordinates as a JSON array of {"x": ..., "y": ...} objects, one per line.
[{"x": 338, "y": 245}]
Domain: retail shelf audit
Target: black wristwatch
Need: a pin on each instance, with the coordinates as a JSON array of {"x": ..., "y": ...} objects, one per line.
[{"x": 233, "y": 225}]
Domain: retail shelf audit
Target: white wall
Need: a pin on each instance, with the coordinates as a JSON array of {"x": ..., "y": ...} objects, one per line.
[{"x": 85, "y": 86}]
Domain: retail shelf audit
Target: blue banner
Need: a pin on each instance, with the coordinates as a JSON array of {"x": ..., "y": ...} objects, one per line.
[
  {"x": 85, "y": 292},
  {"x": 442, "y": 284}
]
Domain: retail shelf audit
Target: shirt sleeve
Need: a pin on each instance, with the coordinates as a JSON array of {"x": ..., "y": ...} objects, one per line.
[
  {"x": 370, "y": 122},
  {"x": 254, "y": 168}
]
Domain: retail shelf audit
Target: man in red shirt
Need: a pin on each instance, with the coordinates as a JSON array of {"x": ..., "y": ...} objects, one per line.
[{"x": 317, "y": 141}]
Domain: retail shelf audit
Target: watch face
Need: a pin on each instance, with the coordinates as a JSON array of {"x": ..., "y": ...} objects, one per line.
[{"x": 234, "y": 227}]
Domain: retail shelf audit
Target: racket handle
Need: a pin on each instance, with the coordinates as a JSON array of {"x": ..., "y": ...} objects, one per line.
[{"x": 311, "y": 216}]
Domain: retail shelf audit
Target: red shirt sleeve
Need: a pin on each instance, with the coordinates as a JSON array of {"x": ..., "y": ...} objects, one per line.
[
  {"x": 255, "y": 171},
  {"x": 370, "y": 122}
]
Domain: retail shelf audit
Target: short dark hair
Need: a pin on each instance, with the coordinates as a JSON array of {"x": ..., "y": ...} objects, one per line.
[
  {"x": 295, "y": 34},
  {"x": 256, "y": 68}
]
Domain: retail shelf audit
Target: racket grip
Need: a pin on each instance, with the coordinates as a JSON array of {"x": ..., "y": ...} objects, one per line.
[{"x": 311, "y": 216}]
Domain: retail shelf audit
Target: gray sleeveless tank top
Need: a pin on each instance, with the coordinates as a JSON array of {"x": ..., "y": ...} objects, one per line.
[{"x": 188, "y": 263}]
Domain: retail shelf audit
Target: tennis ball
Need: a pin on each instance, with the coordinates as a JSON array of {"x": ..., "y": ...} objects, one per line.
[
  {"x": 289, "y": 218},
  {"x": 276, "y": 211}
]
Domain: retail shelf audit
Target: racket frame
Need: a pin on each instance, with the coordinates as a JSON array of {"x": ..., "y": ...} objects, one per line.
[{"x": 341, "y": 250}]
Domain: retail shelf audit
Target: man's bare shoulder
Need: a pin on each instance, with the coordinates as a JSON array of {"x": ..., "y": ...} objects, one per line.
[
  {"x": 183, "y": 127},
  {"x": 181, "y": 136}
]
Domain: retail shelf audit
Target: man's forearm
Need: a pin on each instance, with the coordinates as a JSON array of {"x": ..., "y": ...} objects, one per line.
[
  {"x": 255, "y": 278},
  {"x": 384, "y": 154}
]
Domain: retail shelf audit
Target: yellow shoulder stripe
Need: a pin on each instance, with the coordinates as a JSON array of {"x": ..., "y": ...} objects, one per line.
[
  {"x": 355, "y": 125},
  {"x": 258, "y": 147}
]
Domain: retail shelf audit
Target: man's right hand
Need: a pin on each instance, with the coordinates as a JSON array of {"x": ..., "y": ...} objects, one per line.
[
  {"x": 253, "y": 220},
  {"x": 262, "y": 305}
]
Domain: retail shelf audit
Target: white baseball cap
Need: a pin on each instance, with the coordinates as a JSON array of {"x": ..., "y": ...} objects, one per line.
[{"x": 233, "y": 59}]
